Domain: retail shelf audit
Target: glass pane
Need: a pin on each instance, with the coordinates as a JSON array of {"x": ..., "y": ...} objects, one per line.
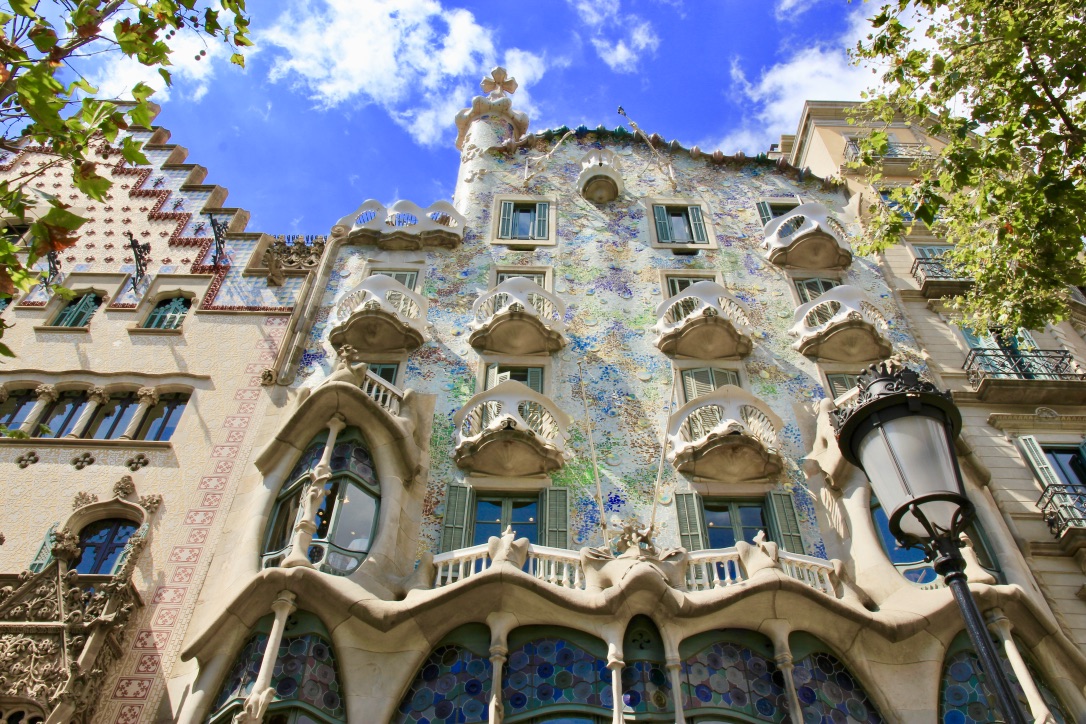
[
  {"x": 488, "y": 520},
  {"x": 324, "y": 514},
  {"x": 718, "y": 524},
  {"x": 355, "y": 519},
  {"x": 14, "y": 410},
  {"x": 101, "y": 544},
  {"x": 112, "y": 418},
  {"x": 525, "y": 519},
  {"x": 680, "y": 225},
  {"x": 64, "y": 414},
  {"x": 751, "y": 520},
  {"x": 898, "y": 555},
  {"x": 386, "y": 372},
  {"x": 162, "y": 419},
  {"x": 531, "y": 276},
  {"x": 523, "y": 220},
  {"x": 679, "y": 284},
  {"x": 286, "y": 512},
  {"x": 1067, "y": 465}
]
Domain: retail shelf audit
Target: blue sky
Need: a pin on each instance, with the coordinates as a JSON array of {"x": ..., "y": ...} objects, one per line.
[{"x": 345, "y": 100}]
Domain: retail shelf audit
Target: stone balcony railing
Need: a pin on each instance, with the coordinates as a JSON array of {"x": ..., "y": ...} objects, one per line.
[
  {"x": 700, "y": 570},
  {"x": 510, "y": 430},
  {"x": 1064, "y": 509},
  {"x": 703, "y": 321},
  {"x": 726, "y": 436},
  {"x": 1040, "y": 376},
  {"x": 380, "y": 315},
  {"x": 388, "y": 396},
  {"x": 807, "y": 237},
  {"x": 936, "y": 279},
  {"x": 841, "y": 326},
  {"x": 404, "y": 225},
  {"x": 518, "y": 317}
]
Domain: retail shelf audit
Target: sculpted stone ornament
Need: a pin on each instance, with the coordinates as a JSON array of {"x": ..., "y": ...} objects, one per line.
[
  {"x": 508, "y": 549},
  {"x": 759, "y": 555},
  {"x": 98, "y": 395},
  {"x": 124, "y": 487},
  {"x": 496, "y": 104},
  {"x": 267, "y": 377},
  {"x": 46, "y": 393},
  {"x": 137, "y": 461},
  {"x": 151, "y": 503},
  {"x": 27, "y": 459},
  {"x": 147, "y": 395},
  {"x": 83, "y": 498},
  {"x": 65, "y": 544},
  {"x": 631, "y": 552}
]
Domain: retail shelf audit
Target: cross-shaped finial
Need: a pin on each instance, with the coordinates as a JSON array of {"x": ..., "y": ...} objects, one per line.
[{"x": 498, "y": 83}]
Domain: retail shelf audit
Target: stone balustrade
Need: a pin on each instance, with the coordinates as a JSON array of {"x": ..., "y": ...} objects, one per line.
[
  {"x": 703, "y": 321},
  {"x": 841, "y": 325},
  {"x": 404, "y": 225},
  {"x": 518, "y": 317},
  {"x": 387, "y": 395},
  {"x": 380, "y": 315},
  {"x": 807, "y": 237},
  {"x": 556, "y": 566}
]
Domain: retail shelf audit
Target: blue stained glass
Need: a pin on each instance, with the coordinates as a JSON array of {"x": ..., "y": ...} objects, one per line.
[
  {"x": 452, "y": 687},
  {"x": 822, "y": 697},
  {"x": 729, "y": 677},
  {"x": 965, "y": 698},
  {"x": 551, "y": 673}
]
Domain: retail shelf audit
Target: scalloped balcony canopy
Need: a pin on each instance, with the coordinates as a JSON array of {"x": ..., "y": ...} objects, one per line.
[
  {"x": 518, "y": 317},
  {"x": 380, "y": 315},
  {"x": 703, "y": 321},
  {"x": 807, "y": 237},
  {"x": 841, "y": 325}
]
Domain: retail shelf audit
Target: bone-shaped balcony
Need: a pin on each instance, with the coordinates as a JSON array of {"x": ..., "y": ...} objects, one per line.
[
  {"x": 726, "y": 436},
  {"x": 510, "y": 430},
  {"x": 404, "y": 225},
  {"x": 518, "y": 317},
  {"x": 807, "y": 237},
  {"x": 703, "y": 321},
  {"x": 380, "y": 315},
  {"x": 841, "y": 326}
]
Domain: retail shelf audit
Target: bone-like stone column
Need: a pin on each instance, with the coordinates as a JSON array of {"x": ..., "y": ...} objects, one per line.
[
  {"x": 1001, "y": 625},
  {"x": 257, "y": 702},
  {"x": 498, "y": 656},
  {"x": 673, "y": 666},
  {"x": 312, "y": 499},
  {"x": 616, "y": 665}
]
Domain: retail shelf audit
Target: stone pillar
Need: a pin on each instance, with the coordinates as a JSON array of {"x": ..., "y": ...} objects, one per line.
[
  {"x": 778, "y": 631},
  {"x": 47, "y": 394},
  {"x": 616, "y": 665},
  {"x": 148, "y": 397},
  {"x": 312, "y": 499},
  {"x": 262, "y": 694},
  {"x": 96, "y": 397},
  {"x": 673, "y": 666},
  {"x": 1001, "y": 625},
  {"x": 498, "y": 656}
]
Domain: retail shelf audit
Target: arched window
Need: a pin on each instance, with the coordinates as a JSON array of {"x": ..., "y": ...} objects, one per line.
[
  {"x": 558, "y": 673},
  {"x": 78, "y": 312},
  {"x": 162, "y": 419},
  {"x": 732, "y": 672},
  {"x": 646, "y": 687},
  {"x": 16, "y": 408},
  {"x": 112, "y": 419},
  {"x": 305, "y": 678},
  {"x": 20, "y": 714},
  {"x": 62, "y": 414},
  {"x": 453, "y": 684},
  {"x": 169, "y": 313},
  {"x": 827, "y": 690},
  {"x": 347, "y": 519},
  {"x": 101, "y": 544},
  {"x": 964, "y": 697}
]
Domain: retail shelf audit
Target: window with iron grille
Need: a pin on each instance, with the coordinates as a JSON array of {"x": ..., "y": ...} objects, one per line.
[
  {"x": 168, "y": 313},
  {"x": 78, "y": 312}
]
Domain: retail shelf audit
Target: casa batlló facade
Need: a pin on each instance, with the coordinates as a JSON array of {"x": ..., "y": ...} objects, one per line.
[{"x": 557, "y": 451}]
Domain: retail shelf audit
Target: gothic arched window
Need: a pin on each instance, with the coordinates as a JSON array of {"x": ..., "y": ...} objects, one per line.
[
  {"x": 169, "y": 313},
  {"x": 101, "y": 544},
  {"x": 347, "y": 518},
  {"x": 78, "y": 312}
]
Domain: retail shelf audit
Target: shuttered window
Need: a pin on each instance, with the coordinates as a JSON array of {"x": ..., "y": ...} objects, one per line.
[
  {"x": 45, "y": 551},
  {"x": 386, "y": 372},
  {"x": 679, "y": 225},
  {"x": 691, "y": 527},
  {"x": 811, "y": 289},
  {"x": 539, "y": 278},
  {"x": 168, "y": 314},
  {"x": 785, "y": 521},
  {"x": 840, "y": 383},
  {"x": 554, "y": 517},
  {"x": 78, "y": 312},
  {"x": 769, "y": 210},
  {"x": 931, "y": 251},
  {"x": 721, "y": 522},
  {"x": 530, "y": 376},
  {"x": 458, "y": 502},
  {"x": 527, "y": 220},
  {"x": 677, "y": 285},
  {"x": 703, "y": 380}
]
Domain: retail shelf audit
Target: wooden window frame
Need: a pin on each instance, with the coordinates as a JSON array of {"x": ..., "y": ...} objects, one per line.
[{"x": 551, "y": 238}]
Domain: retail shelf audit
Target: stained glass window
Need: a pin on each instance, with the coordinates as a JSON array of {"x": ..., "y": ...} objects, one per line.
[
  {"x": 305, "y": 680},
  {"x": 730, "y": 677},
  {"x": 453, "y": 687},
  {"x": 101, "y": 544},
  {"x": 829, "y": 692},
  {"x": 554, "y": 672},
  {"x": 168, "y": 313},
  {"x": 965, "y": 699}
]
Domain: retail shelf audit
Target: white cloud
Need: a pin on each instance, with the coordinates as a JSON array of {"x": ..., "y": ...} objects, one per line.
[
  {"x": 791, "y": 9},
  {"x": 620, "y": 40},
  {"x": 416, "y": 59},
  {"x": 622, "y": 56},
  {"x": 772, "y": 101},
  {"x": 596, "y": 12}
]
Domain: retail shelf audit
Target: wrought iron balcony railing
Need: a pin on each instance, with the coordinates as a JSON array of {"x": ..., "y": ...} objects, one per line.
[
  {"x": 1041, "y": 364},
  {"x": 808, "y": 237},
  {"x": 893, "y": 151},
  {"x": 927, "y": 270},
  {"x": 1064, "y": 508}
]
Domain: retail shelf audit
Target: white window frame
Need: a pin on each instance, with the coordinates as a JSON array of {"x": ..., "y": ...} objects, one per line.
[
  {"x": 680, "y": 247},
  {"x": 514, "y": 361},
  {"x": 546, "y": 271},
  {"x": 792, "y": 199},
  {"x": 388, "y": 268},
  {"x": 707, "y": 275},
  {"x": 551, "y": 238}
]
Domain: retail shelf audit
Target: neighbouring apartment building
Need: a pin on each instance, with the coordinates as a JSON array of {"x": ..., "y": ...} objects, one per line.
[{"x": 556, "y": 452}]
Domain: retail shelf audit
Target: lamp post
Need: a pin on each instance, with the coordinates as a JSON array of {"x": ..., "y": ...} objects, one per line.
[{"x": 901, "y": 432}]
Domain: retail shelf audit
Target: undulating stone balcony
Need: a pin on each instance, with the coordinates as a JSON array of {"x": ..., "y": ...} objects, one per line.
[
  {"x": 510, "y": 430},
  {"x": 1039, "y": 376},
  {"x": 807, "y": 237},
  {"x": 703, "y": 321},
  {"x": 726, "y": 436},
  {"x": 380, "y": 315},
  {"x": 600, "y": 180},
  {"x": 518, "y": 317},
  {"x": 936, "y": 279},
  {"x": 841, "y": 326},
  {"x": 404, "y": 225},
  {"x": 705, "y": 570}
]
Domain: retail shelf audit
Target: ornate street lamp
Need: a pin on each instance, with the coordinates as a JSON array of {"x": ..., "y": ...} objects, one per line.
[{"x": 900, "y": 431}]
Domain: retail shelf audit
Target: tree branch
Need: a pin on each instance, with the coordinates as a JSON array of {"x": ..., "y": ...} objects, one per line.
[{"x": 1038, "y": 75}]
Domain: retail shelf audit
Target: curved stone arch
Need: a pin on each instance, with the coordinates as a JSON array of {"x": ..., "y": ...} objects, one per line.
[
  {"x": 963, "y": 696},
  {"x": 457, "y": 675},
  {"x": 305, "y": 679},
  {"x": 825, "y": 682},
  {"x": 732, "y": 673},
  {"x": 30, "y": 712},
  {"x": 390, "y": 442}
]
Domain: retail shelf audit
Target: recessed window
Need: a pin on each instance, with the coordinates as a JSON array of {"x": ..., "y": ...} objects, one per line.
[
  {"x": 931, "y": 251},
  {"x": 530, "y": 376},
  {"x": 61, "y": 415},
  {"x": 101, "y": 544},
  {"x": 15, "y": 410},
  {"x": 473, "y": 517},
  {"x": 728, "y": 521},
  {"x": 887, "y": 198},
  {"x": 811, "y": 289},
  {"x": 771, "y": 209},
  {"x": 162, "y": 418},
  {"x": 495, "y": 513},
  {"x": 386, "y": 371},
  {"x": 15, "y": 230},
  {"x": 678, "y": 284},
  {"x": 407, "y": 278},
  {"x": 526, "y": 220},
  {"x": 840, "y": 383},
  {"x": 168, "y": 313},
  {"x": 539, "y": 278},
  {"x": 112, "y": 419},
  {"x": 704, "y": 380},
  {"x": 679, "y": 225},
  {"x": 722, "y": 522},
  {"x": 78, "y": 312}
]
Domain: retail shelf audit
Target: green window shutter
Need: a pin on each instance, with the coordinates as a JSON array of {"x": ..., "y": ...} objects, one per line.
[
  {"x": 697, "y": 382},
  {"x": 698, "y": 225},
  {"x": 554, "y": 512},
  {"x": 764, "y": 212},
  {"x": 1025, "y": 339},
  {"x": 785, "y": 521},
  {"x": 663, "y": 226},
  {"x": 724, "y": 377},
  {"x": 1035, "y": 456},
  {"x": 975, "y": 341},
  {"x": 505, "y": 225},
  {"x": 691, "y": 524},
  {"x": 542, "y": 218},
  {"x": 535, "y": 379},
  {"x": 45, "y": 551},
  {"x": 455, "y": 526}
]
